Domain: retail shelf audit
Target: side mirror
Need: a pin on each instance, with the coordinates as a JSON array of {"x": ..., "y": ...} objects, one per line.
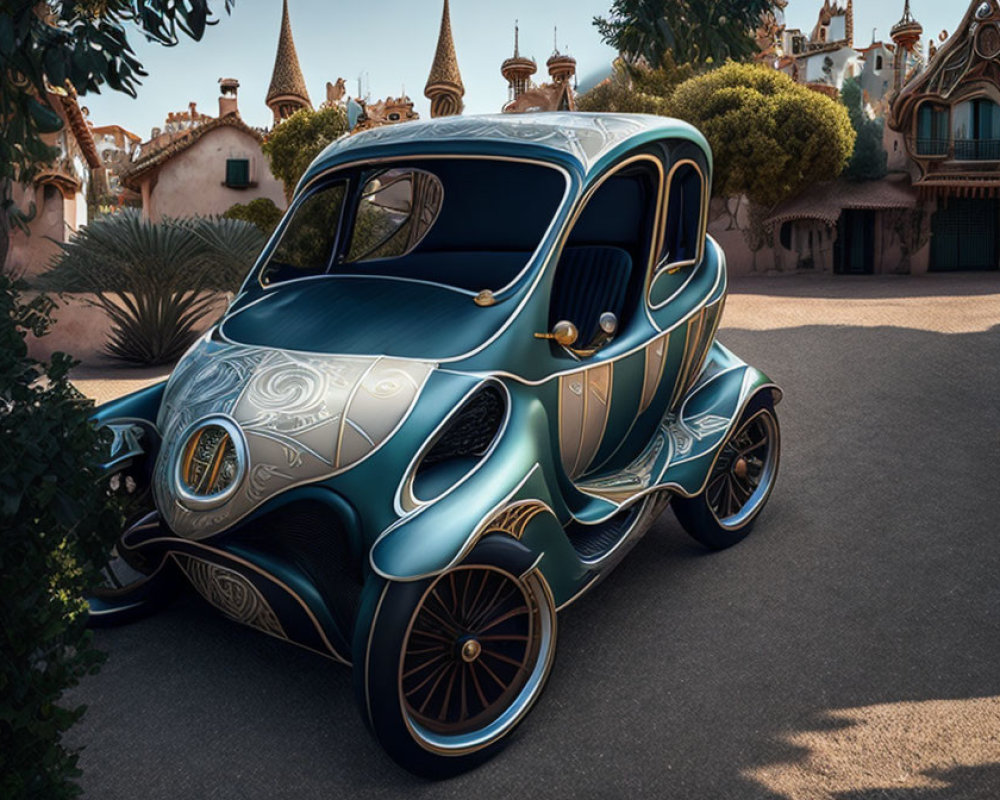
[{"x": 563, "y": 333}]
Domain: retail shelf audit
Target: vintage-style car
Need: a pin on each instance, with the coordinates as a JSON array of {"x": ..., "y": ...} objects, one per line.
[{"x": 473, "y": 364}]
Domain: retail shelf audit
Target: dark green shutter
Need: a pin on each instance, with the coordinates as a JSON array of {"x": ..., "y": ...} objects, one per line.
[{"x": 237, "y": 173}]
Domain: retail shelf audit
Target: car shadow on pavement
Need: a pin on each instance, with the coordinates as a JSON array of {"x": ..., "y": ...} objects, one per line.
[{"x": 846, "y": 650}]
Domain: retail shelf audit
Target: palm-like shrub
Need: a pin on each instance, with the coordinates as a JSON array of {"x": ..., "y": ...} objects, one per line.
[{"x": 157, "y": 282}]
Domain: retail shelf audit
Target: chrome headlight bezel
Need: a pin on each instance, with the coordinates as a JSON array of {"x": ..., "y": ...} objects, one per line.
[{"x": 182, "y": 490}]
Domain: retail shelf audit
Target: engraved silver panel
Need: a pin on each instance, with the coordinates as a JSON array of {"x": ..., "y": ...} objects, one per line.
[
  {"x": 304, "y": 417},
  {"x": 585, "y": 137}
]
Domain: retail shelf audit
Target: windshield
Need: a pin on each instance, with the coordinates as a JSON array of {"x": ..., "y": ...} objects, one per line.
[{"x": 470, "y": 224}]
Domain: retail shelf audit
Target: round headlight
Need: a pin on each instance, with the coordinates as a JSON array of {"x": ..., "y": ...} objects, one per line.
[{"x": 211, "y": 464}]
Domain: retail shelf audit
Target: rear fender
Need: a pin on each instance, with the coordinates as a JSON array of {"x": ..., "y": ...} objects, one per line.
[{"x": 707, "y": 417}]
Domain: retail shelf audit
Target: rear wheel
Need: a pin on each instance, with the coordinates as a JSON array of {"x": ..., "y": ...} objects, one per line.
[
  {"x": 454, "y": 663},
  {"x": 740, "y": 482}
]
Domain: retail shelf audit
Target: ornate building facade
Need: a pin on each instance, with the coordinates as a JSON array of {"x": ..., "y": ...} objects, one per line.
[
  {"x": 523, "y": 95},
  {"x": 938, "y": 209}
]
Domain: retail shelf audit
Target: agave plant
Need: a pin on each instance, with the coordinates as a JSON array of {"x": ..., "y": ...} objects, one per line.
[{"x": 157, "y": 282}]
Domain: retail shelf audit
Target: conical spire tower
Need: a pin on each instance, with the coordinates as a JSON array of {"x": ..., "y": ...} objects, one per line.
[
  {"x": 444, "y": 85},
  {"x": 287, "y": 93}
]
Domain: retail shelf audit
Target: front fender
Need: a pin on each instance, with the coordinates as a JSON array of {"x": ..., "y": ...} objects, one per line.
[
  {"x": 435, "y": 536},
  {"x": 132, "y": 422}
]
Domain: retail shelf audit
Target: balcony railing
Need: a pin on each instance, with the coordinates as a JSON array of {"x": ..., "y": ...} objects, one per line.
[
  {"x": 977, "y": 149},
  {"x": 933, "y": 147},
  {"x": 959, "y": 149}
]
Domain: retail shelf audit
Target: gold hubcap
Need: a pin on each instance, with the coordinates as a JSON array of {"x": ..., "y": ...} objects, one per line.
[
  {"x": 740, "y": 468},
  {"x": 471, "y": 650}
]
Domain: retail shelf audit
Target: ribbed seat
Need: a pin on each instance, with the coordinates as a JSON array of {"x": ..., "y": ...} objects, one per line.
[{"x": 590, "y": 281}]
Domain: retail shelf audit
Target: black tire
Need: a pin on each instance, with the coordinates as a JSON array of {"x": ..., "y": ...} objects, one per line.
[
  {"x": 727, "y": 509},
  {"x": 442, "y": 675}
]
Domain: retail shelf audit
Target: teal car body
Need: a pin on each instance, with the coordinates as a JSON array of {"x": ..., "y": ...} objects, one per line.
[{"x": 368, "y": 421}]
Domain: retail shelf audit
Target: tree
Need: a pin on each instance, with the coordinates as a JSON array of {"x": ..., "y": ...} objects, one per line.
[
  {"x": 699, "y": 32},
  {"x": 870, "y": 161},
  {"x": 81, "y": 42},
  {"x": 57, "y": 526},
  {"x": 262, "y": 212},
  {"x": 772, "y": 138},
  {"x": 636, "y": 88},
  {"x": 293, "y": 145}
]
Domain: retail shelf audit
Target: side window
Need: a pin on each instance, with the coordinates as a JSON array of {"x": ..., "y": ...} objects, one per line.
[
  {"x": 307, "y": 242},
  {"x": 396, "y": 211},
  {"x": 682, "y": 239}
]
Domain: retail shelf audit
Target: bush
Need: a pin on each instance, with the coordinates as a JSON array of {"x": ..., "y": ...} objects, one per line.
[
  {"x": 56, "y": 530},
  {"x": 771, "y": 137},
  {"x": 156, "y": 281},
  {"x": 261, "y": 212},
  {"x": 293, "y": 145},
  {"x": 870, "y": 161},
  {"x": 637, "y": 89}
]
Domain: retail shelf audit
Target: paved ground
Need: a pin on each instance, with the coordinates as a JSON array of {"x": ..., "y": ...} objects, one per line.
[{"x": 849, "y": 649}]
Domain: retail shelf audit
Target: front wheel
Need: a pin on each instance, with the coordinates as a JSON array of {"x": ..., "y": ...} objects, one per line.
[
  {"x": 740, "y": 482},
  {"x": 454, "y": 663}
]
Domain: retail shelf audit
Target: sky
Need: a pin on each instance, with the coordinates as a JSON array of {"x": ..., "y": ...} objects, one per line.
[{"x": 391, "y": 43}]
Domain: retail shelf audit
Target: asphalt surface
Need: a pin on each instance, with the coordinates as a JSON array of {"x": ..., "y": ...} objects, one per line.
[{"x": 847, "y": 649}]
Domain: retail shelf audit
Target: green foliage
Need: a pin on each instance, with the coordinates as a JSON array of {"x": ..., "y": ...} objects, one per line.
[
  {"x": 637, "y": 89},
  {"x": 700, "y": 32},
  {"x": 870, "y": 161},
  {"x": 772, "y": 138},
  {"x": 83, "y": 42},
  {"x": 56, "y": 530},
  {"x": 155, "y": 281},
  {"x": 293, "y": 145},
  {"x": 261, "y": 212}
]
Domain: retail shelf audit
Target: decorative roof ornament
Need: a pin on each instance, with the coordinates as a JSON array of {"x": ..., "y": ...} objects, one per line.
[
  {"x": 287, "y": 93},
  {"x": 907, "y": 31},
  {"x": 444, "y": 85},
  {"x": 517, "y": 70}
]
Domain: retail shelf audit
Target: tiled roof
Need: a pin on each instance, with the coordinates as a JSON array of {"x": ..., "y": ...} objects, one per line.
[
  {"x": 826, "y": 201},
  {"x": 180, "y": 143},
  {"x": 287, "y": 76}
]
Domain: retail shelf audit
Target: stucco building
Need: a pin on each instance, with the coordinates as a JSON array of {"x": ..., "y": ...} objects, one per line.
[
  {"x": 203, "y": 165},
  {"x": 939, "y": 207},
  {"x": 58, "y": 194}
]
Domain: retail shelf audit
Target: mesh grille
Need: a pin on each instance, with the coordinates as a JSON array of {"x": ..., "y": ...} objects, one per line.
[
  {"x": 311, "y": 537},
  {"x": 471, "y": 430}
]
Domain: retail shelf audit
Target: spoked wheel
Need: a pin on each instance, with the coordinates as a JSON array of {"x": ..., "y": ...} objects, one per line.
[
  {"x": 740, "y": 482},
  {"x": 456, "y": 662}
]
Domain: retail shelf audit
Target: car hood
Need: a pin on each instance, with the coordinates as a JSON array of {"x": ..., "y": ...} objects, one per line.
[
  {"x": 291, "y": 419},
  {"x": 362, "y": 316}
]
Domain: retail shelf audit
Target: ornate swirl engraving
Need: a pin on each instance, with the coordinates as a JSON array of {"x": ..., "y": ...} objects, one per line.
[
  {"x": 305, "y": 418},
  {"x": 231, "y": 593},
  {"x": 587, "y": 138}
]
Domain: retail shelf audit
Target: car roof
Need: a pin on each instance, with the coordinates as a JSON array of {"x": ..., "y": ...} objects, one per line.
[{"x": 589, "y": 141}]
